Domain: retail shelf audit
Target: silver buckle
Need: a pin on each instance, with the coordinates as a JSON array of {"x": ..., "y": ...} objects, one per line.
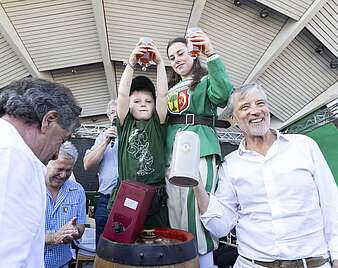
[{"x": 188, "y": 117}]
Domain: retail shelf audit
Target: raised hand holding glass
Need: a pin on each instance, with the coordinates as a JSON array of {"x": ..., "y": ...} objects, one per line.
[
  {"x": 147, "y": 58},
  {"x": 193, "y": 49}
]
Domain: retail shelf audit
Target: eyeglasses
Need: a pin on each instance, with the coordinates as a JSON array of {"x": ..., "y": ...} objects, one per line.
[{"x": 77, "y": 109}]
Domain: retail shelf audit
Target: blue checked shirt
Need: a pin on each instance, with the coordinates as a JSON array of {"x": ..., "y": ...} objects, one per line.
[{"x": 70, "y": 202}]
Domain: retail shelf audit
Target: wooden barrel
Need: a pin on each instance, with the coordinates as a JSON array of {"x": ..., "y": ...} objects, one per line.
[{"x": 181, "y": 254}]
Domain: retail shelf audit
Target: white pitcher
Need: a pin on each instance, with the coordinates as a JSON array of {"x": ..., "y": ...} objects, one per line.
[{"x": 184, "y": 166}]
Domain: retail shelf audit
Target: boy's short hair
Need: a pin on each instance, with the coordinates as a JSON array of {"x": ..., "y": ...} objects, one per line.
[{"x": 142, "y": 83}]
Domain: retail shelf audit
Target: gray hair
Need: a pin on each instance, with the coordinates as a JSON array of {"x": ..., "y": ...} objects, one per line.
[
  {"x": 109, "y": 105},
  {"x": 241, "y": 92},
  {"x": 68, "y": 150},
  {"x": 31, "y": 98}
]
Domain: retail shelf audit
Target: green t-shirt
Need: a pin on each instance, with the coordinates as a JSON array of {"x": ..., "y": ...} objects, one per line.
[
  {"x": 211, "y": 92},
  {"x": 141, "y": 150}
]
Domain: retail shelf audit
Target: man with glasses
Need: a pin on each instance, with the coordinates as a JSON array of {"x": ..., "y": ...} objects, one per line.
[{"x": 36, "y": 117}]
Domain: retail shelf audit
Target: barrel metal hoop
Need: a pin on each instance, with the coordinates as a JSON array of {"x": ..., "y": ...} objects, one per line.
[{"x": 146, "y": 255}]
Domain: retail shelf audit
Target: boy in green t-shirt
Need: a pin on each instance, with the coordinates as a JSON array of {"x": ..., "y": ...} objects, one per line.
[{"x": 141, "y": 130}]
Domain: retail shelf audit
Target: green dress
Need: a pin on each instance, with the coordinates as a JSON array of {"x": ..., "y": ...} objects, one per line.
[
  {"x": 141, "y": 158},
  {"x": 211, "y": 92}
]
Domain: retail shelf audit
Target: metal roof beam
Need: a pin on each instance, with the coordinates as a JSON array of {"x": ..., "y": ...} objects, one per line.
[
  {"x": 13, "y": 39},
  {"x": 196, "y": 12},
  {"x": 103, "y": 40},
  {"x": 286, "y": 35}
]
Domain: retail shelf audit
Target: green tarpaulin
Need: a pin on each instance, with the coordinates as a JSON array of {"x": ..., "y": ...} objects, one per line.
[{"x": 327, "y": 139}]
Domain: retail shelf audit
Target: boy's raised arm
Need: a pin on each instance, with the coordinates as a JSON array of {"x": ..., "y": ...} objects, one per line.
[
  {"x": 162, "y": 85},
  {"x": 125, "y": 82}
]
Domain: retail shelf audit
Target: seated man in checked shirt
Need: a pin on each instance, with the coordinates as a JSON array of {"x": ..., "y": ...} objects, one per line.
[{"x": 66, "y": 208}]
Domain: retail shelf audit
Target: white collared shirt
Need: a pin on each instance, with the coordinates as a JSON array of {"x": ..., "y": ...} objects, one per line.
[
  {"x": 284, "y": 204},
  {"x": 22, "y": 202}
]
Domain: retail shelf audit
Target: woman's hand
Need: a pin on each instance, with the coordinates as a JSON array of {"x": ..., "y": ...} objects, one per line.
[{"x": 201, "y": 39}]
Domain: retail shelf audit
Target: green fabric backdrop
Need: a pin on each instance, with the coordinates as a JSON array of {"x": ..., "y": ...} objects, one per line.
[{"x": 327, "y": 139}]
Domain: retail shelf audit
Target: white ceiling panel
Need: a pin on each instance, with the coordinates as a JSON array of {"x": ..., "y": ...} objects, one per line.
[
  {"x": 129, "y": 20},
  {"x": 297, "y": 76},
  {"x": 57, "y": 34},
  {"x": 100, "y": 120},
  {"x": 11, "y": 67},
  {"x": 291, "y": 8},
  {"x": 239, "y": 34},
  {"x": 89, "y": 86},
  {"x": 325, "y": 26}
]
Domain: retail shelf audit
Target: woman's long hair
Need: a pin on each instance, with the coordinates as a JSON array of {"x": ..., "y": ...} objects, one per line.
[{"x": 198, "y": 71}]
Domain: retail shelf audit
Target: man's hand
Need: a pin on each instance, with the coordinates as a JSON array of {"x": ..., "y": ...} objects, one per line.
[
  {"x": 335, "y": 264},
  {"x": 110, "y": 133},
  {"x": 67, "y": 233}
]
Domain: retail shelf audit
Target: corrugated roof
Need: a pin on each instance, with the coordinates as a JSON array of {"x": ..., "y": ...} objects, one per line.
[
  {"x": 291, "y": 8},
  {"x": 297, "y": 76},
  {"x": 89, "y": 86},
  {"x": 57, "y": 34},
  {"x": 325, "y": 26},
  {"x": 239, "y": 35},
  {"x": 129, "y": 20},
  {"x": 61, "y": 35},
  {"x": 11, "y": 67}
]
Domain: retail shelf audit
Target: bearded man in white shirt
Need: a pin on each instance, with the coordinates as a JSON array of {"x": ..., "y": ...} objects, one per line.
[
  {"x": 36, "y": 117},
  {"x": 276, "y": 189}
]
